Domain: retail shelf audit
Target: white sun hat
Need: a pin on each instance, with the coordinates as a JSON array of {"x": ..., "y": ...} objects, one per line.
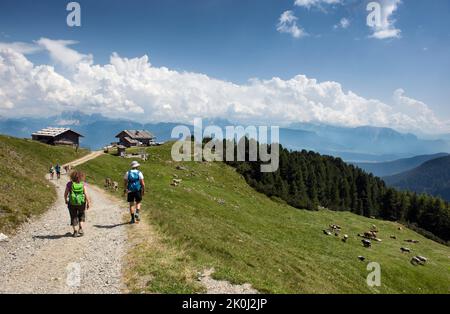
[{"x": 135, "y": 164}]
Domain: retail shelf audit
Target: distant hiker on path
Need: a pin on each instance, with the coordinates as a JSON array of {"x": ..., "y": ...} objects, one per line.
[
  {"x": 77, "y": 199},
  {"x": 134, "y": 188},
  {"x": 58, "y": 171},
  {"x": 52, "y": 172}
]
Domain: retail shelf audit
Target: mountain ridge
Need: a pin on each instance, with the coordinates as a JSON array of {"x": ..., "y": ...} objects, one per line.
[
  {"x": 389, "y": 168},
  {"x": 358, "y": 144},
  {"x": 431, "y": 177}
]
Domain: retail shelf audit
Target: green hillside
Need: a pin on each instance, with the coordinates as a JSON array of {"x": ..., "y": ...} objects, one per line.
[
  {"x": 23, "y": 189},
  {"x": 214, "y": 219}
]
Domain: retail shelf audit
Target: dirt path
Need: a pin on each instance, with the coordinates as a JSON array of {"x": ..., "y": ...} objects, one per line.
[
  {"x": 43, "y": 257},
  {"x": 86, "y": 158}
]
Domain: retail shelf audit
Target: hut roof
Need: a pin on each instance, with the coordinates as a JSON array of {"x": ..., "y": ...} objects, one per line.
[
  {"x": 53, "y": 132},
  {"x": 137, "y": 134}
]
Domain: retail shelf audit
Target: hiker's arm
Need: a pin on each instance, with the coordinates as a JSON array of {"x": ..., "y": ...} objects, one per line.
[
  {"x": 125, "y": 185},
  {"x": 88, "y": 199},
  {"x": 142, "y": 186},
  {"x": 66, "y": 194}
]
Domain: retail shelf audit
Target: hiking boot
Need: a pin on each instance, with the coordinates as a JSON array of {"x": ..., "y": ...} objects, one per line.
[
  {"x": 137, "y": 217},
  {"x": 75, "y": 234},
  {"x": 80, "y": 233}
]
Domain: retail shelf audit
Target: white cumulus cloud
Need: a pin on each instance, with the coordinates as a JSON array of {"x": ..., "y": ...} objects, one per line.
[
  {"x": 287, "y": 23},
  {"x": 59, "y": 51},
  {"x": 315, "y": 3},
  {"x": 343, "y": 23},
  {"x": 24, "y": 48},
  {"x": 133, "y": 88},
  {"x": 62, "y": 54}
]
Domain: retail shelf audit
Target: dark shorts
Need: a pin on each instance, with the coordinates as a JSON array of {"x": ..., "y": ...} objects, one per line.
[
  {"x": 77, "y": 214},
  {"x": 134, "y": 197}
]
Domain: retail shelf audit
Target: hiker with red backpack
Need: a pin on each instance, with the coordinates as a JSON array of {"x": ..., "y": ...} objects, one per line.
[
  {"x": 134, "y": 189},
  {"x": 78, "y": 201}
]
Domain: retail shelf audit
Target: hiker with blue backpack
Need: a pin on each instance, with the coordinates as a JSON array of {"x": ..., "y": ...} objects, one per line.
[
  {"x": 78, "y": 201},
  {"x": 134, "y": 189},
  {"x": 58, "y": 171}
]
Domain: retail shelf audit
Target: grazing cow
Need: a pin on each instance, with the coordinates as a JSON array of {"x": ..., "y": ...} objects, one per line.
[
  {"x": 326, "y": 232},
  {"x": 345, "y": 238},
  {"x": 361, "y": 258},
  {"x": 405, "y": 250},
  {"x": 335, "y": 227},
  {"x": 419, "y": 260},
  {"x": 366, "y": 243},
  {"x": 422, "y": 259},
  {"x": 115, "y": 186},
  {"x": 108, "y": 183},
  {"x": 367, "y": 235},
  {"x": 412, "y": 241},
  {"x": 176, "y": 182},
  {"x": 393, "y": 237}
]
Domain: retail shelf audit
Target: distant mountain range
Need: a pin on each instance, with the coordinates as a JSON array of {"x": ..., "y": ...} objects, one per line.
[
  {"x": 432, "y": 177},
  {"x": 361, "y": 144},
  {"x": 389, "y": 168}
]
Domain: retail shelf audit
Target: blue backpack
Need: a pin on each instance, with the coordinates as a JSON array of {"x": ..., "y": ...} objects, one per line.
[{"x": 134, "y": 183}]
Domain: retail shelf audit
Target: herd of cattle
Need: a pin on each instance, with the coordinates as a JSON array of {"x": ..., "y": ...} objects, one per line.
[{"x": 372, "y": 235}]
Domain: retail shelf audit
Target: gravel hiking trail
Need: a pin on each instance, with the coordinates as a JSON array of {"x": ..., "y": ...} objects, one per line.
[{"x": 43, "y": 257}]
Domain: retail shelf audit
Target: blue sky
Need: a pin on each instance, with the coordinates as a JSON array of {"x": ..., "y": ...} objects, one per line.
[{"x": 236, "y": 40}]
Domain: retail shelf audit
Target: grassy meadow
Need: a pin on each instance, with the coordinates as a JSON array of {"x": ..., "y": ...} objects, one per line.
[{"x": 214, "y": 219}]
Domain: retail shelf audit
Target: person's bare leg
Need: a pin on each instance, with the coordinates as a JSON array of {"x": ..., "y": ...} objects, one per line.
[
  {"x": 138, "y": 211},
  {"x": 80, "y": 228},
  {"x": 75, "y": 231},
  {"x": 132, "y": 212}
]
